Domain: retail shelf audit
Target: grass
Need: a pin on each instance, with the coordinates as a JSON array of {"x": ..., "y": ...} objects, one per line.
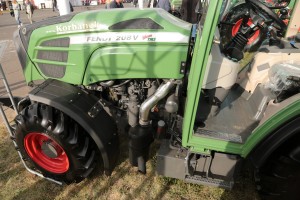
[{"x": 124, "y": 183}]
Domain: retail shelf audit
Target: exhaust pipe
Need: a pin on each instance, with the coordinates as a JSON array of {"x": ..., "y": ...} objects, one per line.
[
  {"x": 107, "y": 83},
  {"x": 140, "y": 137},
  {"x": 149, "y": 103}
]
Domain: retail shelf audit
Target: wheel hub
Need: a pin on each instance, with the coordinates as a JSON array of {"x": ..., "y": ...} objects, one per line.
[
  {"x": 50, "y": 149},
  {"x": 46, "y": 153}
]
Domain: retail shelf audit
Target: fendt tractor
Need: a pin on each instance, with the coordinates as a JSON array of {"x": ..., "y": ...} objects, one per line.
[{"x": 216, "y": 92}]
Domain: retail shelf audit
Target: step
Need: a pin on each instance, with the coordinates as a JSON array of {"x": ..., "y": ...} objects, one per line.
[
  {"x": 219, "y": 135},
  {"x": 210, "y": 182}
]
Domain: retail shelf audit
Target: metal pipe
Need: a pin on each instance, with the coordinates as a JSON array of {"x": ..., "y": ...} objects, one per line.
[
  {"x": 133, "y": 110},
  {"x": 149, "y": 103},
  {"x": 8, "y": 89},
  {"x": 121, "y": 84},
  {"x": 38, "y": 174},
  {"x": 141, "y": 164},
  {"x": 107, "y": 83}
]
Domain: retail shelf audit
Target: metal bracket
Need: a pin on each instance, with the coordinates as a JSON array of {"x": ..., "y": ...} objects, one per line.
[
  {"x": 93, "y": 112},
  {"x": 189, "y": 165},
  {"x": 182, "y": 67}
]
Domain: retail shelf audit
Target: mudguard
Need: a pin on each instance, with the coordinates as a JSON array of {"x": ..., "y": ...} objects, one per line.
[
  {"x": 286, "y": 132},
  {"x": 78, "y": 105}
]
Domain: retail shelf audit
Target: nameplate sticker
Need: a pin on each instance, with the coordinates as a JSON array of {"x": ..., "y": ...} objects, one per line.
[{"x": 113, "y": 37}]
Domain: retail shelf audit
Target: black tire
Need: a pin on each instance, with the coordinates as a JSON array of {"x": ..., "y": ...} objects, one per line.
[
  {"x": 54, "y": 144},
  {"x": 232, "y": 17},
  {"x": 279, "y": 177}
]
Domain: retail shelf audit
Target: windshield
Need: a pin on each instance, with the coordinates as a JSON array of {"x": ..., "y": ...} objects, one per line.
[{"x": 202, "y": 8}]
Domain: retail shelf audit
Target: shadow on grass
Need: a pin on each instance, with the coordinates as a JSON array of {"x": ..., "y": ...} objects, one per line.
[
  {"x": 41, "y": 189},
  {"x": 5, "y": 176},
  {"x": 112, "y": 180},
  {"x": 244, "y": 187},
  {"x": 138, "y": 190},
  {"x": 162, "y": 191},
  {"x": 149, "y": 178}
]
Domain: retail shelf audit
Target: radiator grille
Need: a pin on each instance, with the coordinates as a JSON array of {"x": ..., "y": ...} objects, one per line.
[
  {"x": 60, "y": 42},
  {"x": 53, "y": 71},
  {"x": 60, "y": 56}
]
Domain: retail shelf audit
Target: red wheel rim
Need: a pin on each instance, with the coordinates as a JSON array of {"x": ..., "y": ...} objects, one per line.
[
  {"x": 236, "y": 28},
  {"x": 33, "y": 143}
]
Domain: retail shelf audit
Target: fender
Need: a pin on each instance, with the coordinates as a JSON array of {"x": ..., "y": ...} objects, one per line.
[
  {"x": 283, "y": 134},
  {"x": 77, "y": 104}
]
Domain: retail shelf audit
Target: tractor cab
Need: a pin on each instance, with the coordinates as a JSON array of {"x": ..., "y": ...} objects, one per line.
[{"x": 253, "y": 63}]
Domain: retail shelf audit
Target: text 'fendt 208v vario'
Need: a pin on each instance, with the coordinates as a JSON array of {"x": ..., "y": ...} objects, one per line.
[{"x": 217, "y": 91}]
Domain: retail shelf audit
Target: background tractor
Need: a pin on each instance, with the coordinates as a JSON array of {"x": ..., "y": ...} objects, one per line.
[{"x": 148, "y": 75}]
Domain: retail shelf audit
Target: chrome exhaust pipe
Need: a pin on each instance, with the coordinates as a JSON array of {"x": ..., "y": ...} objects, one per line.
[
  {"x": 149, "y": 103},
  {"x": 107, "y": 83}
]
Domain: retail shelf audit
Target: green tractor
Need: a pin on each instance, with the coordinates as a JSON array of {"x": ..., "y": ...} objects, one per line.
[{"x": 149, "y": 75}]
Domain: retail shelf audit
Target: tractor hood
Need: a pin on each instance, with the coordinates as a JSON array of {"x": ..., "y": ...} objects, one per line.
[{"x": 99, "y": 45}]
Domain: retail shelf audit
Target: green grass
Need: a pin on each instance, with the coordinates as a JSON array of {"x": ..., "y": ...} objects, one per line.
[{"x": 124, "y": 183}]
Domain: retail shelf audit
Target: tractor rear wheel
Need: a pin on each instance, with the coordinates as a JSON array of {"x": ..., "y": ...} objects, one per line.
[
  {"x": 279, "y": 177},
  {"x": 54, "y": 144}
]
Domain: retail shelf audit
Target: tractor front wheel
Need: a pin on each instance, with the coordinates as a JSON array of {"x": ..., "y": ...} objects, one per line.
[{"x": 54, "y": 144}]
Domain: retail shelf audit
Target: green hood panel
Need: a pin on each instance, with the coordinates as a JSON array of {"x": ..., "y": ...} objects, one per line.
[
  {"x": 109, "y": 44},
  {"x": 138, "y": 61}
]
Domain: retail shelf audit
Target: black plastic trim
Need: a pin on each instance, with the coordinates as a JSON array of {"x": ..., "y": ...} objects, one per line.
[
  {"x": 21, "y": 52},
  {"x": 139, "y": 23},
  {"x": 261, "y": 153},
  {"x": 76, "y": 104}
]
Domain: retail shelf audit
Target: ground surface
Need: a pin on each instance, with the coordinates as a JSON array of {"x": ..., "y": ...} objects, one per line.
[{"x": 125, "y": 182}]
